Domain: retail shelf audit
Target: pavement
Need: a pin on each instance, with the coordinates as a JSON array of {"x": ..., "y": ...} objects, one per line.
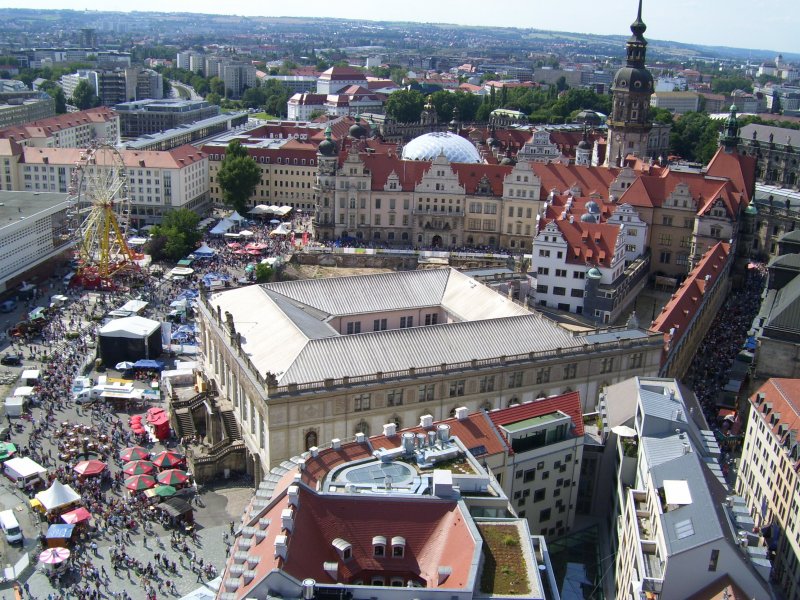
[{"x": 218, "y": 505}]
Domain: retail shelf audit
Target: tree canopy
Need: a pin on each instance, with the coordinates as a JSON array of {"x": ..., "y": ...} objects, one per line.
[
  {"x": 238, "y": 176},
  {"x": 405, "y": 106},
  {"x": 84, "y": 97},
  {"x": 725, "y": 85},
  {"x": 176, "y": 236},
  {"x": 695, "y": 137}
]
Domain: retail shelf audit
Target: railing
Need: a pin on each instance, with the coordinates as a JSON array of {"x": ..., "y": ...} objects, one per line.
[{"x": 220, "y": 453}]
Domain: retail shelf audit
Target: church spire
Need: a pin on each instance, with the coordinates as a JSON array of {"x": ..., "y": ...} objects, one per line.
[
  {"x": 637, "y": 45},
  {"x": 729, "y": 137}
]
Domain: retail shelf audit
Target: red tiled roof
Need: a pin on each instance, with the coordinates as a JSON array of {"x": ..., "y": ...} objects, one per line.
[
  {"x": 176, "y": 158},
  {"x": 328, "y": 459},
  {"x": 739, "y": 168},
  {"x": 569, "y": 403},
  {"x": 342, "y": 74},
  {"x": 784, "y": 396},
  {"x": 558, "y": 205},
  {"x": 681, "y": 309},
  {"x": 589, "y": 243}
]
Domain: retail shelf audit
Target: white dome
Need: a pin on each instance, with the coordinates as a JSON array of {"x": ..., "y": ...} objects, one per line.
[{"x": 429, "y": 146}]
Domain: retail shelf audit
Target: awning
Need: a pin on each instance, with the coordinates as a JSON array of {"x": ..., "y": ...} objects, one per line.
[
  {"x": 175, "y": 507},
  {"x": 60, "y": 531}
]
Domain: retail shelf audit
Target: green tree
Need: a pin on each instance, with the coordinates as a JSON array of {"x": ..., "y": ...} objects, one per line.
[
  {"x": 725, "y": 85},
  {"x": 55, "y": 92},
  {"x": 398, "y": 74},
  {"x": 176, "y": 236},
  {"x": 263, "y": 273},
  {"x": 382, "y": 72},
  {"x": 661, "y": 115},
  {"x": 694, "y": 137},
  {"x": 405, "y": 106},
  {"x": 84, "y": 97},
  {"x": 238, "y": 176}
]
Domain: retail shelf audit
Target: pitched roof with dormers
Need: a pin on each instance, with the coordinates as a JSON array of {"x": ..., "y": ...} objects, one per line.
[
  {"x": 589, "y": 243},
  {"x": 678, "y": 313},
  {"x": 557, "y": 206},
  {"x": 739, "y": 168},
  {"x": 47, "y": 127},
  {"x": 177, "y": 158},
  {"x": 777, "y": 403},
  {"x": 569, "y": 403}
]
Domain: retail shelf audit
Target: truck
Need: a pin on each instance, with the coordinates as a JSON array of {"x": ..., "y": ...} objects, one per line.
[{"x": 25, "y": 472}]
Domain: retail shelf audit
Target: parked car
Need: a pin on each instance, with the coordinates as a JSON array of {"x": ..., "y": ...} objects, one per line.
[{"x": 11, "y": 360}]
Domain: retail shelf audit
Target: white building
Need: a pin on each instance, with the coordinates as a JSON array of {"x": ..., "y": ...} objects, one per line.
[
  {"x": 32, "y": 232},
  {"x": 541, "y": 149},
  {"x": 634, "y": 235},
  {"x": 157, "y": 181},
  {"x": 300, "y": 106},
  {"x": 676, "y": 534},
  {"x": 337, "y": 78},
  {"x": 238, "y": 77},
  {"x": 70, "y": 130}
]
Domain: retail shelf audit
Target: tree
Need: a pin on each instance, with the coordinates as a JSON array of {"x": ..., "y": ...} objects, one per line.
[
  {"x": 263, "y": 273},
  {"x": 694, "y": 137},
  {"x": 405, "y": 106},
  {"x": 84, "y": 97},
  {"x": 57, "y": 94},
  {"x": 238, "y": 176},
  {"x": 176, "y": 236},
  {"x": 725, "y": 85}
]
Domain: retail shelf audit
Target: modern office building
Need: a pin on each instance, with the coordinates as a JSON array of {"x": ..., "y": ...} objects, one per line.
[
  {"x": 154, "y": 116},
  {"x": 677, "y": 530}
]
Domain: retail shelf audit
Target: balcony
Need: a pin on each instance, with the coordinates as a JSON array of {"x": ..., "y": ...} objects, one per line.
[{"x": 439, "y": 213}]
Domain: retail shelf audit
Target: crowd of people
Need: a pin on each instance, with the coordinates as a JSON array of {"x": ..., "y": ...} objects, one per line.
[{"x": 724, "y": 341}]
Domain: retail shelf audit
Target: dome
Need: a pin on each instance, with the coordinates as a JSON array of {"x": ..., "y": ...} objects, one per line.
[
  {"x": 358, "y": 131},
  {"x": 430, "y": 145},
  {"x": 327, "y": 147},
  {"x": 592, "y": 207},
  {"x": 751, "y": 209},
  {"x": 584, "y": 145},
  {"x": 589, "y": 218},
  {"x": 594, "y": 273},
  {"x": 633, "y": 79}
]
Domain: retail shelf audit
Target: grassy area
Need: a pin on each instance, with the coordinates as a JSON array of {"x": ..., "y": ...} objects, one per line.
[
  {"x": 264, "y": 116},
  {"x": 504, "y": 570}
]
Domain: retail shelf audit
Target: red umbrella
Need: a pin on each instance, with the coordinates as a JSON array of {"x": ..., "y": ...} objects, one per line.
[
  {"x": 172, "y": 476},
  {"x": 89, "y": 467},
  {"x": 134, "y": 453},
  {"x": 76, "y": 516},
  {"x": 167, "y": 458},
  {"x": 138, "y": 483},
  {"x": 139, "y": 467}
]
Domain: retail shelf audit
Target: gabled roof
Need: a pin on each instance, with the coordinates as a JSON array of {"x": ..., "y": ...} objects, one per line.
[
  {"x": 568, "y": 403},
  {"x": 784, "y": 316},
  {"x": 176, "y": 158},
  {"x": 589, "y": 243},
  {"x": 342, "y": 74},
  {"x": 678, "y": 313},
  {"x": 739, "y": 168},
  {"x": 783, "y": 396}
]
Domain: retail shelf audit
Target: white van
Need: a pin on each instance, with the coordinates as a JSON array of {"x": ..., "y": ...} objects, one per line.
[
  {"x": 68, "y": 277},
  {"x": 10, "y": 526}
]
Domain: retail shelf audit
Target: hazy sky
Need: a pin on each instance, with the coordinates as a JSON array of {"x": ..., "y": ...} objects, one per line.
[{"x": 769, "y": 24}]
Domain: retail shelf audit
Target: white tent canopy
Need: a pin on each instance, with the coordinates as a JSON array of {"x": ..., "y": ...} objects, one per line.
[
  {"x": 30, "y": 374},
  {"x": 263, "y": 209},
  {"x": 130, "y": 327},
  {"x": 221, "y": 227},
  {"x": 235, "y": 217},
  {"x": 282, "y": 229},
  {"x": 204, "y": 250},
  {"x": 23, "y": 391},
  {"x": 57, "y": 495}
]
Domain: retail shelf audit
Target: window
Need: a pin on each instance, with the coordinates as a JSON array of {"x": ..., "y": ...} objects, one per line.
[
  {"x": 543, "y": 375},
  {"x": 561, "y": 272},
  {"x": 538, "y": 495},
  {"x": 541, "y": 289},
  {"x": 379, "y": 325},
  {"x": 431, "y": 319},
  {"x": 362, "y": 427},
  {"x": 664, "y": 257},
  {"x": 542, "y": 271},
  {"x": 311, "y": 439},
  {"x": 425, "y": 392},
  {"x": 682, "y": 259},
  {"x": 712, "y": 563},
  {"x": 576, "y": 293},
  {"x": 398, "y": 551},
  {"x": 361, "y": 402},
  {"x": 665, "y": 239},
  {"x": 544, "y": 515},
  {"x": 406, "y": 322},
  {"x": 486, "y": 384},
  {"x": 353, "y": 327},
  {"x": 379, "y": 550},
  {"x": 515, "y": 379},
  {"x": 394, "y": 397},
  {"x": 530, "y": 475},
  {"x": 544, "y": 253},
  {"x": 559, "y": 291},
  {"x": 716, "y": 231},
  {"x": 607, "y": 365},
  {"x": 570, "y": 370},
  {"x": 457, "y": 388},
  {"x": 377, "y": 203}
]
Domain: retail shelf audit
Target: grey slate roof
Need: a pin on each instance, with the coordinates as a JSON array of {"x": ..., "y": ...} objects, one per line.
[
  {"x": 700, "y": 513},
  {"x": 780, "y": 135},
  {"x": 785, "y": 313}
]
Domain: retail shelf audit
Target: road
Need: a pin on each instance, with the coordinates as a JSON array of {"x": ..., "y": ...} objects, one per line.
[{"x": 189, "y": 90}]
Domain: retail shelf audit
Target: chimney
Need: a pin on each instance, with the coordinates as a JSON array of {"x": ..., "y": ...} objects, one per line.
[
  {"x": 294, "y": 495},
  {"x": 426, "y": 421},
  {"x": 390, "y": 429},
  {"x": 281, "y": 545},
  {"x": 461, "y": 413},
  {"x": 314, "y": 451},
  {"x": 443, "y": 430},
  {"x": 686, "y": 448},
  {"x": 336, "y": 444},
  {"x": 361, "y": 437},
  {"x": 408, "y": 443},
  {"x": 287, "y": 519}
]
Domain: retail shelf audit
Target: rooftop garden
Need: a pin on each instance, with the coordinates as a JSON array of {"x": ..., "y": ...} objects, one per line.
[{"x": 504, "y": 570}]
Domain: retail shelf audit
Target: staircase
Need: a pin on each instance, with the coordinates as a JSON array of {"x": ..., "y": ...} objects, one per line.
[
  {"x": 230, "y": 425},
  {"x": 185, "y": 423}
]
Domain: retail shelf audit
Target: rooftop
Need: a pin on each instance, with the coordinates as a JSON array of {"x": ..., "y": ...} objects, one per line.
[{"x": 16, "y": 206}]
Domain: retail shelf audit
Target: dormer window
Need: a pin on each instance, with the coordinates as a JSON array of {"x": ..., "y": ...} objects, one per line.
[
  {"x": 379, "y": 546},
  {"x": 344, "y": 548},
  {"x": 398, "y": 546}
]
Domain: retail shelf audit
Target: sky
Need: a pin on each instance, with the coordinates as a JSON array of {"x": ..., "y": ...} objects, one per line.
[{"x": 760, "y": 24}]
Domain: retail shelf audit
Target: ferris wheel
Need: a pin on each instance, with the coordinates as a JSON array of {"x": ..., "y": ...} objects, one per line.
[{"x": 99, "y": 215}]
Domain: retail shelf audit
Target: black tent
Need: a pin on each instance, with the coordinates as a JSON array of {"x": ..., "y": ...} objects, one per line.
[{"x": 130, "y": 339}]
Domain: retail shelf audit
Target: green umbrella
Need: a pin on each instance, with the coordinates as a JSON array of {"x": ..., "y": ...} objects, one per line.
[
  {"x": 7, "y": 449},
  {"x": 165, "y": 490}
]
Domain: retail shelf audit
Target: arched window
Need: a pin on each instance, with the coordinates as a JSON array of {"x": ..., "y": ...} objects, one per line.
[
  {"x": 362, "y": 427},
  {"x": 487, "y": 406},
  {"x": 311, "y": 439},
  {"x": 397, "y": 421},
  {"x": 404, "y": 237}
]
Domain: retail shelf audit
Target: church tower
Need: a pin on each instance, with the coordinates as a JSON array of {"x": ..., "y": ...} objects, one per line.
[
  {"x": 729, "y": 137},
  {"x": 629, "y": 125}
]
